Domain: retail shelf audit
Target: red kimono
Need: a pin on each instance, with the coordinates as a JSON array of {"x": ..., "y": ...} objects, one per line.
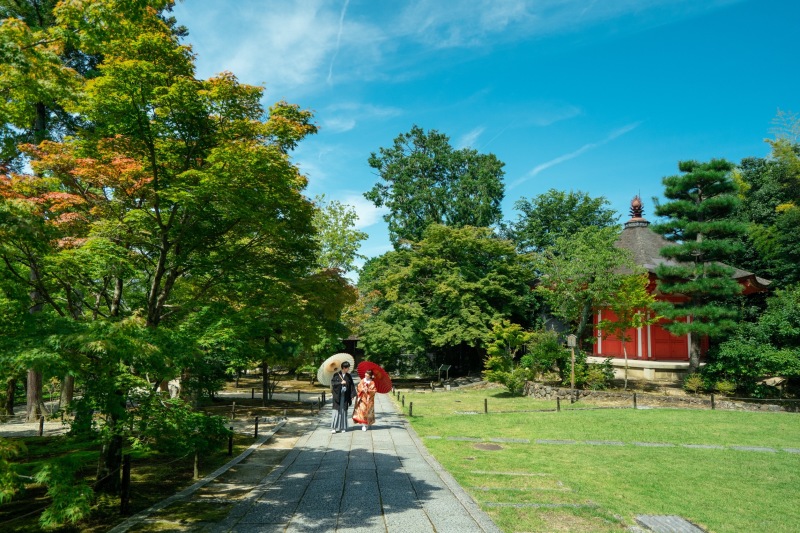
[{"x": 364, "y": 412}]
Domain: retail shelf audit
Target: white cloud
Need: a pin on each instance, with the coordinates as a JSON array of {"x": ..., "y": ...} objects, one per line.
[
  {"x": 339, "y": 124},
  {"x": 468, "y": 139},
  {"x": 297, "y": 48},
  {"x": 572, "y": 155},
  {"x": 454, "y": 23},
  {"x": 367, "y": 213}
]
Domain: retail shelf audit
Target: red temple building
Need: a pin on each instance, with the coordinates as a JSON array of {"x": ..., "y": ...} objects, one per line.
[{"x": 654, "y": 354}]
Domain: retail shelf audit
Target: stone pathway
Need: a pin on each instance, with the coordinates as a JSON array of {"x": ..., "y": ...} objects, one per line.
[{"x": 381, "y": 480}]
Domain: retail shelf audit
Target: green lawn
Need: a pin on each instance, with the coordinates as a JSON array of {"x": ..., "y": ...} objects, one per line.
[{"x": 586, "y": 487}]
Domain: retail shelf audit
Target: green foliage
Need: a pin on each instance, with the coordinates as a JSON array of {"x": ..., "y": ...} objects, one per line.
[
  {"x": 446, "y": 291},
  {"x": 768, "y": 347},
  {"x": 598, "y": 376},
  {"x": 514, "y": 379},
  {"x": 554, "y": 214},
  {"x": 339, "y": 240},
  {"x": 172, "y": 426},
  {"x": 700, "y": 222},
  {"x": 426, "y": 181},
  {"x": 693, "y": 383},
  {"x": 71, "y": 498},
  {"x": 10, "y": 483},
  {"x": 725, "y": 387},
  {"x": 545, "y": 353},
  {"x": 582, "y": 271}
]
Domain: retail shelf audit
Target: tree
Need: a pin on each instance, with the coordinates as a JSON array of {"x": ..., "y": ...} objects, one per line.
[
  {"x": 177, "y": 189},
  {"x": 770, "y": 205},
  {"x": 339, "y": 241},
  {"x": 582, "y": 271},
  {"x": 426, "y": 181},
  {"x": 770, "y": 346},
  {"x": 554, "y": 214},
  {"x": 443, "y": 294},
  {"x": 700, "y": 222},
  {"x": 630, "y": 302}
]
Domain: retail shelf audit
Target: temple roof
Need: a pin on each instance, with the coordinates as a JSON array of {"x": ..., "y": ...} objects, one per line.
[{"x": 645, "y": 245}]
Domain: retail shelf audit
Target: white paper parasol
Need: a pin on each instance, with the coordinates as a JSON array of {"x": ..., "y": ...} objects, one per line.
[{"x": 332, "y": 365}]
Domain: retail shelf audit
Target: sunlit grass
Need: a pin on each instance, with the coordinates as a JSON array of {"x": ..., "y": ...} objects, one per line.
[{"x": 602, "y": 487}]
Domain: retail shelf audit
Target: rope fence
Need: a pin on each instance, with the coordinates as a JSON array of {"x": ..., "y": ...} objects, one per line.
[{"x": 636, "y": 401}]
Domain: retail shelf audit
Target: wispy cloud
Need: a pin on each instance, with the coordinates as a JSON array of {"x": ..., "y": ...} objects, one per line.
[
  {"x": 344, "y": 117},
  {"x": 338, "y": 124},
  {"x": 295, "y": 47},
  {"x": 572, "y": 155},
  {"x": 469, "y": 139},
  {"x": 367, "y": 213},
  {"x": 453, "y": 23},
  {"x": 338, "y": 40}
]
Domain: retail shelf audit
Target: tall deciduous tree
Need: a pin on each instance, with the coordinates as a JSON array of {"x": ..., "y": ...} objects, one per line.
[
  {"x": 554, "y": 214},
  {"x": 630, "y": 302},
  {"x": 444, "y": 294},
  {"x": 178, "y": 189},
  {"x": 339, "y": 239},
  {"x": 770, "y": 194},
  {"x": 579, "y": 272},
  {"x": 700, "y": 222},
  {"x": 425, "y": 181}
]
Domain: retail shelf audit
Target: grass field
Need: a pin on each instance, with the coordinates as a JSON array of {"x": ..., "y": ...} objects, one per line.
[{"x": 643, "y": 466}]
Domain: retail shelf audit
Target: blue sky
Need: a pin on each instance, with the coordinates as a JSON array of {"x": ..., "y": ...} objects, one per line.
[{"x": 602, "y": 96}]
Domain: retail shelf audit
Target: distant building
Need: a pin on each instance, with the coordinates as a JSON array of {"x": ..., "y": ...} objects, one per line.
[{"x": 654, "y": 354}]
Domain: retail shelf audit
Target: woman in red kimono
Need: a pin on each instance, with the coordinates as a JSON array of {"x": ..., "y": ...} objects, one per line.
[{"x": 364, "y": 413}]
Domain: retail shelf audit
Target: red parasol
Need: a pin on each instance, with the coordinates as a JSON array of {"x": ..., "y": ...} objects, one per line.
[{"x": 383, "y": 383}]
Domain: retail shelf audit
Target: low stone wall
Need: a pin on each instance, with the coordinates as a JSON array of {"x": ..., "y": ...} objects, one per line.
[{"x": 643, "y": 399}]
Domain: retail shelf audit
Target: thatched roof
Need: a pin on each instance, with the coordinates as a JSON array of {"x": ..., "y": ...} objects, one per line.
[{"x": 645, "y": 245}]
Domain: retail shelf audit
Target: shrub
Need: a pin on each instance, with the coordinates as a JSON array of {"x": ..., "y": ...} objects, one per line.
[
  {"x": 598, "y": 377},
  {"x": 513, "y": 380},
  {"x": 725, "y": 387},
  {"x": 693, "y": 383},
  {"x": 545, "y": 353}
]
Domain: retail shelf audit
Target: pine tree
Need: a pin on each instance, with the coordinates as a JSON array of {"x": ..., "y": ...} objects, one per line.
[{"x": 700, "y": 221}]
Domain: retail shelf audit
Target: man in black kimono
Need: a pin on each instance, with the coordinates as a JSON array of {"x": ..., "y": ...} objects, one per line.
[{"x": 343, "y": 390}]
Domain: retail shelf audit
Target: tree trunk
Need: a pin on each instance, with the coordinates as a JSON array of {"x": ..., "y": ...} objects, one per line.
[
  {"x": 625, "y": 353},
  {"x": 8, "y": 404},
  {"x": 67, "y": 390},
  {"x": 35, "y": 405},
  {"x": 694, "y": 352},
  {"x": 108, "y": 476}
]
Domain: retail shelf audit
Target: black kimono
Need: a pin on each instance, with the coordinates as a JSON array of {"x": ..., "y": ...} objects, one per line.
[{"x": 343, "y": 390}]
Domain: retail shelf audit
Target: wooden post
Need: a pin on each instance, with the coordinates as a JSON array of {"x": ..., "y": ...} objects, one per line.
[
  {"x": 486, "y": 406},
  {"x": 125, "y": 487},
  {"x": 41, "y": 425},
  {"x": 298, "y": 396},
  {"x": 634, "y": 400},
  {"x": 712, "y": 402},
  {"x": 252, "y": 394},
  {"x": 404, "y": 400},
  {"x": 196, "y": 465},
  {"x": 558, "y": 404},
  {"x": 233, "y": 410},
  {"x": 410, "y": 408},
  {"x": 230, "y": 442},
  {"x": 255, "y": 436}
]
